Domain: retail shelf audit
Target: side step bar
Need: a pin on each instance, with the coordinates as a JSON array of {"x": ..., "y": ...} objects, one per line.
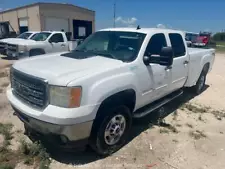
[{"x": 156, "y": 104}]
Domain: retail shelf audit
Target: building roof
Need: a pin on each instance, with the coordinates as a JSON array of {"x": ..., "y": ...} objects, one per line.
[{"x": 43, "y": 3}]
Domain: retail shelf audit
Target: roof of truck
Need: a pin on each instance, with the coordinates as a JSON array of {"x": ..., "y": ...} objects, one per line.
[
  {"x": 143, "y": 30},
  {"x": 32, "y": 32},
  {"x": 52, "y": 31}
]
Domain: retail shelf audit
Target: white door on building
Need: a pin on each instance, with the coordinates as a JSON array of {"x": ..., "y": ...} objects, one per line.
[
  {"x": 23, "y": 25},
  {"x": 56, "y": 24}
]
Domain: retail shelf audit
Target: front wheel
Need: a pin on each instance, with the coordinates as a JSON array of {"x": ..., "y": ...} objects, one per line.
[{"x": 112, "y": 132}]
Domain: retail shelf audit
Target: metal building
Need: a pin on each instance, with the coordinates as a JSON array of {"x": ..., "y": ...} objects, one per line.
[{"x": 51, "y": 16}]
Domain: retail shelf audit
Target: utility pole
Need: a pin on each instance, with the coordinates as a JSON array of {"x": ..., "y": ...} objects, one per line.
[{"x": 114, "y": 14}]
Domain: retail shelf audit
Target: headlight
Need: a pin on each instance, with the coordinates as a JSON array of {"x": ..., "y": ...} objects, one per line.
[
  {"x": 68, "y": 97},
  {"x": 22, "y": 48}
]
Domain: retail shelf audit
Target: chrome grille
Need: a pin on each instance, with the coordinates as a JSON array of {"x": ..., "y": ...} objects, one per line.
[
  {"x": 29, "y": 89},
  {"x": 12, "y": 48},
  {"x": 3, "y": 47}
]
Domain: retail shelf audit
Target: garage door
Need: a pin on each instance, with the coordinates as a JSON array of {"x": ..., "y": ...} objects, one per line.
[
  {"x": 23, "y": 25},
  {"x": 56, "y": 24}
]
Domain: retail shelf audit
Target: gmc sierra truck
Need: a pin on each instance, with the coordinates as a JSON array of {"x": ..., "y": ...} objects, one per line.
[
  {"x": 91, "y": 94},
  {"x": 3, "y": 42},
  {"x": 41, "y": 43}
]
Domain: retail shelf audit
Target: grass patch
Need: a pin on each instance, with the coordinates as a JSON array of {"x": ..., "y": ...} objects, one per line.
[
  {"x": 200, "y": 118},
  {"x": 189, "y": 125},
  {"x": 197, "y": 134},
  {"x": 219, "y": 115},
  {"x": 175, "y": 141},
  {"x": 168, "y": 127},
  {"x": 194, "y": 108},
  {"x": 30, "y": 153},
  {"x": 178, "y": 125},
  {"x": 164, "y": 130},
  {"x": 175, "y": 114},
  {"x": 6, "y": 166},
  {"x": 34, "y": 153},
  {"x": 3, "y": 74},
  {"x": 5, "y": 129}
]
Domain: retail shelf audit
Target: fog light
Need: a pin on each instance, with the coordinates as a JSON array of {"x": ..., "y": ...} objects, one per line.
[{"x": 63, "y": 139}]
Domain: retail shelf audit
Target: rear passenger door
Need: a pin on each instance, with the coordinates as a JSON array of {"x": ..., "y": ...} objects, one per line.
[
  {"x": 179, "y": 71},
  {"x": 58, "y": 43}
]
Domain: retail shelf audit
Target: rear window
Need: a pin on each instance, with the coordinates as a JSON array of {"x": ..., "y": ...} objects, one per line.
[{"x": 177, "y": 44}]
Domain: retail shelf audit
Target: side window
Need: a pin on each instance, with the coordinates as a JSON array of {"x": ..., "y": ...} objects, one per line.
[
  {"x": 155, "y": 45},
  {"x": 177, "y": 44},
  {"x": 57, "y": 38}
]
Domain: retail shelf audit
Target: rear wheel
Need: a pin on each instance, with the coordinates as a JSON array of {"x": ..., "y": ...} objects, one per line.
[
  {"x": 110, "y": 130},
  {"x": 200, "y": 85}
]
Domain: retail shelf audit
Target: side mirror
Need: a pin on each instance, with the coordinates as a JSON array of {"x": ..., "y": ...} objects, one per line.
[{"x": 165, "y": 58}]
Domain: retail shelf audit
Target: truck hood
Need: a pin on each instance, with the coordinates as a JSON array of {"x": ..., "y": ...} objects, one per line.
[
  {"x": 26, "y": 42},
  {"x": 11, "y": 40},
  {"x": 60, "y": 70}
]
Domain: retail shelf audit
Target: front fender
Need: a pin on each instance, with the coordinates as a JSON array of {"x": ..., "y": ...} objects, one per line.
[{"x": 108, "y": 86}]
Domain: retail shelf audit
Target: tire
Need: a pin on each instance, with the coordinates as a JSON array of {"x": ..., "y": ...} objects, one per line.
[
  {"x": 200, "y": 85},
  {"x": 100, "y": 139}
]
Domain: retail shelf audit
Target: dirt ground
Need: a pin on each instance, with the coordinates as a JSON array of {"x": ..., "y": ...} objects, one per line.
[{"x": 192, "y": 135}]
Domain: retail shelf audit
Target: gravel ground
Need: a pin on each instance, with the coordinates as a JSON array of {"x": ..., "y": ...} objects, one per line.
[{"x": 193, "y": 137}]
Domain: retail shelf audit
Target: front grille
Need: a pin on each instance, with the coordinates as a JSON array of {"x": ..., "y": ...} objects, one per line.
[
  {"x": 3, "y": 47},
  {"x": 29, "y": 89},
  {"x": 12, "y": 48}
]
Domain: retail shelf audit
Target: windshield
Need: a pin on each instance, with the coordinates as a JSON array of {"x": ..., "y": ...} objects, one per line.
[
  {"x": 24, "y": 35},
  {"x": 112, "y": 44},
  {"x": 41, "y": 36}
]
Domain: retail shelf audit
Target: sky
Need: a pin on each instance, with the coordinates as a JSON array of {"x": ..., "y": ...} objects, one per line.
[{"x": 187, "y": 15}]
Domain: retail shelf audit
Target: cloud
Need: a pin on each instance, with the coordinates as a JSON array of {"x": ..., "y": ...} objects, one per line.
[
  {"x": 128, "y": 21},
  {"x": 161, "y": 26}
]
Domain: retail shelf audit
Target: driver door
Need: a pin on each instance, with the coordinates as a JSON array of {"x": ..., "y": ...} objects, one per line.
[
  {"x": 160, "y": 76},
  {"x": 57, "y": 43}
]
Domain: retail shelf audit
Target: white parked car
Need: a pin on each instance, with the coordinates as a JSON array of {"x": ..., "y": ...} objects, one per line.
[
  {"x": 21, "y": 37},
  {"x": 41, "y": 43},
  {"x": 91, "y": 95}
]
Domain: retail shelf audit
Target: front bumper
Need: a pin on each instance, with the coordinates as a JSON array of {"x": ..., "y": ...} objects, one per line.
[
  {"x": 71, "y": 136},
  {"x": 74, "y": 124},
  {"x": 18, "y": 55}
]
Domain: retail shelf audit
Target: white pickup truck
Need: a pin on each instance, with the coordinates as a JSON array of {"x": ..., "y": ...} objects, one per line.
[
  {"x": 21, "y": 37},
  {"x": 41, "y": 43},
  {"x": 90, "y": 95}
]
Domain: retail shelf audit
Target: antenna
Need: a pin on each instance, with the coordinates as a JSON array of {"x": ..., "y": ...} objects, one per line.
[
  {"x": 114, "y": 14},
  {"x": 138, "y": 27}
]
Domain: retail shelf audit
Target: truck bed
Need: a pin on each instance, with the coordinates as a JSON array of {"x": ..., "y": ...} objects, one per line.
[
  {"x": 194, "y": 51},
  {"x": 198, "y": 56}
]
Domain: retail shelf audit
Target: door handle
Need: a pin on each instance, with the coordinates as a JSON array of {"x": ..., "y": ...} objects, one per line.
[
  {"x": 63, "y": 45},
  {"x": 168, "y": 68},
  {"x": 186, "y": 62}
]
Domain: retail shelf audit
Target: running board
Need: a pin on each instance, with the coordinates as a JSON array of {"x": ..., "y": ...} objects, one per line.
[{"x": 156, "y": 104}]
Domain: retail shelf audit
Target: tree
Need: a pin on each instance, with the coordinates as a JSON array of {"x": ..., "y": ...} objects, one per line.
[{"x": 220, "y": 36}]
